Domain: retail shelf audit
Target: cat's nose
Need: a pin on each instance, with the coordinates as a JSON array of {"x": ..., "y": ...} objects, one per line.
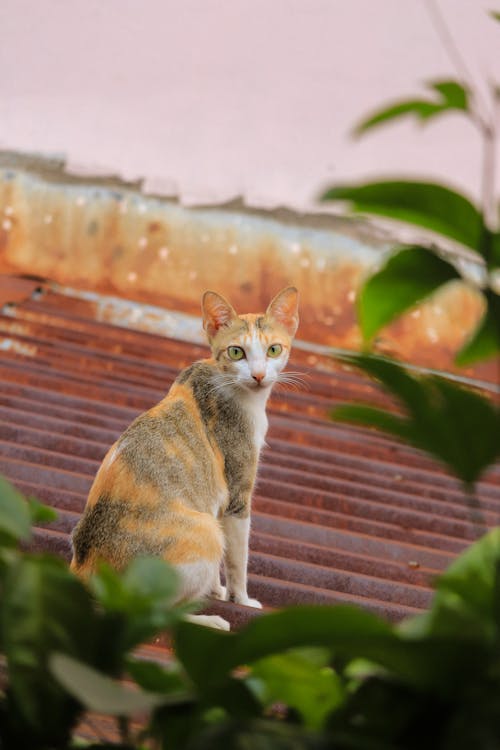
[{"x": 258, "y": 376}]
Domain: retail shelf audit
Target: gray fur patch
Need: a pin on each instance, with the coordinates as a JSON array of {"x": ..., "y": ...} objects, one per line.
[
  {"x": 227, "y": 421},
  {"x": 100, "y": 531}
]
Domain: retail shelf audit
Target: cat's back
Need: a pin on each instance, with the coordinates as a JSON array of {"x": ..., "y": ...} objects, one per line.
[
  {"x": 170, "y": 448},
  {"x": 165, "y": 466}
]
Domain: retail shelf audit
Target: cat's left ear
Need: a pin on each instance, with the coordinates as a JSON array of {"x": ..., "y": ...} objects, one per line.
[
  {"x": 217, "y": 313},
  {"x": 284, "y": 308}
]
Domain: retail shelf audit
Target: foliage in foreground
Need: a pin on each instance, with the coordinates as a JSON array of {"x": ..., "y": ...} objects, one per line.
[
  {"x": 454, "y": 424},
  {"x": 300, "y": 679},
  {"x": 412, "y": 274}
]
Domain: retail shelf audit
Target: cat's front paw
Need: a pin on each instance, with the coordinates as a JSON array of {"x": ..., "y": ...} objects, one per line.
[
  {"x": 252, "y": 603},
  {"x": 211, "y": 621},
  {"x": 246, "y": 601}
]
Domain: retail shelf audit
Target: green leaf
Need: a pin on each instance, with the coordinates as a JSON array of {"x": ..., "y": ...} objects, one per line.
[
  {"x": 422, "y": 109},
  {"x": 494, "y": 14},
  {"x": 294, "y": 678},
  {"x": 372, "y": 417},
  {"x": 453, "y": 423},
  {"x": 15, "y": 519},
  {"x": 259, "y": 734},
  {"x": 143, "y": 595},
  {"x": 97, "y": 692},
  {"x": 494, "y": 260},
  {"x": 423, "y": 204},
  {"x": 40, "y": 513},
  {"x": 233, "y": 697},
  {"x": 148, "y": 582},
  {"x": 44, "y": 608},
  {"x": 385, "y": 714},
  {"x": 436, "y": 664},
  {"x": 272, "y": 634},
  {"x": 452, "y": 96},
  {"x": 467, "y": 599},
  {"x": 485, "y": 340},
  {"x": 407, "y": 278},
  {"x": 154, "y": 678}
]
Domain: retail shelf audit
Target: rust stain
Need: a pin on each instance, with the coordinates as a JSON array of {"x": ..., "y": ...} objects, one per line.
[{"x": 123, "y": 243}]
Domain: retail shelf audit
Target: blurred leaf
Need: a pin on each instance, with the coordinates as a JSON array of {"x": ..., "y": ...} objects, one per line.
[
  {"x": 475, "y": 722},
  {"x": 346, "y": 631},
  {"x": 485, "y": 340},
  {"x": 451, "y": 96},
  {"x": 489, "y": 248},
  {"x": 195, "y": 646},
  {"x": 454, "y": 424},
  {"x": 386, "y": 714},
  {"x": 147, "y": 582},
  {"x": 453, "y": 93},
  {"x": 234, "y": 696},
  {"x": 97, "y": 692},
  {"x": 15, "y": 518},
  {"x": 173, "y": 726},
  {"x": 264, "y": 636},
  {"x": 372, "y": 417},
  {"x": 467, "y": 600},
  {"x": 143, "y": 595},
  {"x": 151, "y": 578},
  {"x": 407, "y": 278},
  {"x": 154, "y": 678},
  {"x": 269, "y": 635},
  {"x": 258, "y": 734},
  {"x": 40, "y": 513},
  {"x": 294, "y": 678},
  {"x": 494, "y": 261},
  {"x": 424, "y": 204},
  {"x": 44, "y": 608},
  {"x": 494, "y": 14}
]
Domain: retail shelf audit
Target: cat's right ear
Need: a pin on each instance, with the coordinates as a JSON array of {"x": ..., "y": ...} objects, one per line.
[
  {"x": 284, "y": 309},
  {"x": 217, "y": 313}
]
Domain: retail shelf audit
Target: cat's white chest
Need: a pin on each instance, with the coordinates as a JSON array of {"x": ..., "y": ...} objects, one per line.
[
  {"x": 260, "y": 430},
  {"x": 259, "y": 421}
]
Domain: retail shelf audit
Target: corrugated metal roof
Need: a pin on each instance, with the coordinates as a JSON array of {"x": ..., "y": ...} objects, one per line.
[{"x": 340, "y": 513}]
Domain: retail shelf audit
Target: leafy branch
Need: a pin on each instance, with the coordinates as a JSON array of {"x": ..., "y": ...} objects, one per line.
[{"x": 412, "y": 274}]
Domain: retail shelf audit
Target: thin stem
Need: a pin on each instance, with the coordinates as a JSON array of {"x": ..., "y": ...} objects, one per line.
[
  {"x": 480, "y": 113},
  {"x": 124, "y": 729},
  {"x": 481, "y": 116},
  {"x": 488, "y": 178}
]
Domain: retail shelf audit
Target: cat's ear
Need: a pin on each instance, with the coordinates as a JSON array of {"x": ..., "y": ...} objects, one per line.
[
  {"x": 284, "y": 309},
  {"x": 217, "y": 313}
]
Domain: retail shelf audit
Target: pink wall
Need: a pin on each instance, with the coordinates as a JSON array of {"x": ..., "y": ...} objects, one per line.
[{"x": 213, "y": 98}]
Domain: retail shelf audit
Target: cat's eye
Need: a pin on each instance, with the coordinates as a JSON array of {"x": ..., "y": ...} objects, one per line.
[
  {"x": 235, "y": 353},
  {"x": 274, "y": 350}
]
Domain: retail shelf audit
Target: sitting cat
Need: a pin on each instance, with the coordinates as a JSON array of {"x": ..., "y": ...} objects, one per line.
[{"x": 178, "y": 482}]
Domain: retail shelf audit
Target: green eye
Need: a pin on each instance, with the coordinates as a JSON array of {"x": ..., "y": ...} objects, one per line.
[
  {"x": 274, "y": 350},
  {"x": 235, "y": 353}
]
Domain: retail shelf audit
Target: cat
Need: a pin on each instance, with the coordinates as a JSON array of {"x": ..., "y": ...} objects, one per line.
[{"x": 178, "y": 482}]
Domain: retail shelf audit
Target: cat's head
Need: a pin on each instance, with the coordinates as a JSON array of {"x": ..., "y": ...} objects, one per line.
[{"x": 251, "y": 349}]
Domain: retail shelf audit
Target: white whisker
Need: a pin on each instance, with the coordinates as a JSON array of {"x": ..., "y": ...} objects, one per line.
[
  {"x": 222, "y": 382},
  {"x": 294, "y": 379}
]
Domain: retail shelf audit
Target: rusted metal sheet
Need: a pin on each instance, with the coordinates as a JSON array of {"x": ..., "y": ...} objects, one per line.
[
  {"x": 341, "y": 514},
  {"x": 112, "y": 239}
]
